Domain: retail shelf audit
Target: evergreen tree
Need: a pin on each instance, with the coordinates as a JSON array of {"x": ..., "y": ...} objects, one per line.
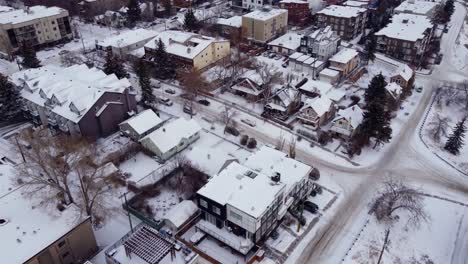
[
  {"x": 449, "y": 8},
  {"x": 114, "y": 65},
  {"x": 376, "y": 123},
  {"x": 190, "y": 21},
  {"x": 147, "y": 96},
  {"x": 455, "y": 140},
  {"x": 167, "y": 7},
  {"x": 376, "y": 90},
  {"x": 9, "y": 100},
  {"x": 165, "y": 67},
  {"x": 133, "y": 12},
  {"x": 30, "y": 59},
  {"x": 370, "y": 48}
]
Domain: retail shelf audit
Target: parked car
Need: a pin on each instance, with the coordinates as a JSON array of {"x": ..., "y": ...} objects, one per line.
[
  {"x": 63, "y": 52},
  {"x": 189, "y": 110},
  {"x": 204, "y": 102},
  {"x": 278, "y": 57},
  {"x": 311, "y": 207},
  {"x": 233, "y": 131},
  {"x": 419, "y": 89},
  {"x": 165, "y": 101},
  {"x": 248, "y": 122},
  {"x": 272, "y": 55},
  {"x": 265, "y": 54},
  {"x": 156, "y": 84},
  {"x": 170, "y": 91}
]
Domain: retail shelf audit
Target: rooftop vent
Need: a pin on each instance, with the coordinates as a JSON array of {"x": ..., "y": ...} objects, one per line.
[
  {"x": 405, "y": 21},
  {"x": 3, "y": 221},
  {"x": 276, "y": 177}
]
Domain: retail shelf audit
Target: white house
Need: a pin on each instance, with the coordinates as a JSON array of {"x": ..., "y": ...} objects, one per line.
[
  {"x": 121, "y": 45},
  {"x": 172, "y": 138},
  {"x": 347, "y": 120},
  {"x": 321, "y": 43},
  {"x": 141, "y": 125},
  {"x": 317, "y": 112},
  {"x": 179, "y": 215},
  {"x": 286, "y": 44}
]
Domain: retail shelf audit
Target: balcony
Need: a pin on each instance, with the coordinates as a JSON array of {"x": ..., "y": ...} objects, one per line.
[{"x": 52, "y": 121}]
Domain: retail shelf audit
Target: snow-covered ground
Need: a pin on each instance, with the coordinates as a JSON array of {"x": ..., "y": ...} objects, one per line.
[
  {"x": 460, "y": 49},
  {"x": 448, "y": 105},
  {"x": 438, "y": 240}
]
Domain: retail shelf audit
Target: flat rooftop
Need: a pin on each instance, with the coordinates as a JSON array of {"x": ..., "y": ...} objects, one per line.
[
  {"x": 34, "y": 12},
  {"x": 263, "y": 15},
  {"x": 344, "y": 55},
  {"x": 128, "y": 38},
  {"x": 342, "y": 11},
  {"x": 28, "y": 227},
  {"x": 409, "y": 27},
  {"x": 416, "y": 7}
]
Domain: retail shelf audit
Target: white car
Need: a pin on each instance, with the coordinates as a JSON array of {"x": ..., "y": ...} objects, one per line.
[
  {"x": 248, "y": 122},
  {"x": 165, "y": 101}
]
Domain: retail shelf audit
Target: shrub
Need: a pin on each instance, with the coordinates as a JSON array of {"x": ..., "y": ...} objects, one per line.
[
  {"x": 324, "y": 138},
  {"x": 244, "y": 140},
  {"x": 299, "y": 138},
  {"x": 252, "y": 143},
  {"x": 355, "y": 99}
]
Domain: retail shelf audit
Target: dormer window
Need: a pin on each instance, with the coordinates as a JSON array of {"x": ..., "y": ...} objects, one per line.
[
  {"x": 74, "y": 109},
  {"x": 42, "y": 94}
]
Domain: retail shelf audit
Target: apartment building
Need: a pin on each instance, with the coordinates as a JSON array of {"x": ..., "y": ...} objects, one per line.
[
  {"x": 37, "y": 26},
  {"x": 76, "y": 100},
  {"x": 121, "y": 45},
  {"x": 190, "y": 49},
  {"x": 347, "y": 21},
  {"x": 36, "y": 235},
  {"x": 416, "y": 7},
  {"x": 321, "y": 43},
  {"x": 406, "y": 37},
  {"x": 298, "y": 11},
  {"x": 263, "y": 25},
  {"x": 243, "y": 203},
  {"x": 251, "y": 4}
]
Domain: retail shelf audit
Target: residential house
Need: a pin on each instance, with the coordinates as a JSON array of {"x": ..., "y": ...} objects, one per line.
[
  {"x": 317, "y": 112},
  {"x": 250, "y": 86},
  {"x": 179, "y": 215},
  {"x": 171, "y": 138},
  {"x": 417, "y": 7},
  {"x": 33, "y": 235},
  {"x": 345, "y": 61},
  {"x": 394, "y": 92},
  {"x": 190, "y": 49},
  {"x": 251, "y": 4},
  {"x": 329, "y": 75},
  {"x": 263, "y": 25},
  {"x": 145, "y": 244},
  {"x": 6, "y": 9},
  {"x": 404, "y": 77},
  {"x": 361, "y": 4},
  {"x": 123, "y": 44},
  {"x": 298, "y": 11},
  {"x": 286, "y": 44},
  {"x": 314, "y": 88},
  {"x": 92, "y": 8},
  {"x": 242, "y": 204},
  {"x": 76, "y": 100},
  {"x": 307, "y": 64},
  {"x": 321, "y": 43},
  {"x": 230, "y": 28},
  {"x": 406, "y": 38},
  {"x": 141, "y": 124},
  {"x": 283, "y": 102},
  {"x": 111, "y": 19},
  {"x": 347, "y": 21},
  {"x": 37, "y": 26},
  {"x": 347, "y": 121}
]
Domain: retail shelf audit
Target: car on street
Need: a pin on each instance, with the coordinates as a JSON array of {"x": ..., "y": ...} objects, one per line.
[
  {"x": 189, "y": 110},
  {"x": 311, "y": 207},
  {"x": 165, "y": 101},
  {"x": 156, "y": 84},
  {"x": 248, "y": 122},
  {"x": 419, "y": 89},
  {"x": 170, "y": 91},
  {"x": 204, "y": 102},
  {"x": 272, "y": 55}
]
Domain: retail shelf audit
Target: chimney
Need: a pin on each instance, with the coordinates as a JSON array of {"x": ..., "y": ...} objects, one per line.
[
  {"x": 276, "y": 177},
  {"x": 189, "y": 50}
]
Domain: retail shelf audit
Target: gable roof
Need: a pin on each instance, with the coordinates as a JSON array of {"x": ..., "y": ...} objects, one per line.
[
  {"x": 405, "y": 72},
  {"x": 394, "y": 89},
  {"x": 353, "y": 115},
  {"x": 344, "y": 55},
  {"x": 320, "y": 105},
  {"x": 128, "y": 38},
  {"x": 144, "y": 121}
]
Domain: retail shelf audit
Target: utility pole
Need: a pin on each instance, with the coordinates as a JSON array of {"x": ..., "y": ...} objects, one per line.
[
  {"x": 387, "y": 233},
  {"x": 20, "y": 148},
  {"x": 128, "y": 213}
]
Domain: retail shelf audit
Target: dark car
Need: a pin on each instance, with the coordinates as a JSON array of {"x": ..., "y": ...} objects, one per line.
[
  {"x": 189, "y": 110},
  {"x": 204, "y": 102},
  {"x": 232, "y": 131},
  {"x": 311, "y": 207},
  {"x": 170, "y": 91}
]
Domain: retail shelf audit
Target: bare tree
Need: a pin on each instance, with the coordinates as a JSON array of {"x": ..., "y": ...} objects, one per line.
[
  {"x": 227, "y": 115},
  {"x": 269, "y": 76},
  {"x": 280, "y": 142},
  {"x": 292, "y": 147},
  {"x": 69, "y": 59},
  {"x": 193, "y": 83},
  {"x": 396, "y": 196},
  {"x": 464, "y": 88},
  {"x": 438, "y": 127}
]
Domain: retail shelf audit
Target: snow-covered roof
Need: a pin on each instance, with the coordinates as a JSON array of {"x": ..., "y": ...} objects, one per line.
[
  {"x": 323, "y": 35},
  {"x": 128, "y": 38},
  {"x": 234, "y": 21},
  {"x": 181, "y": 212},
  {"x": 294, "y": 2},
  {"x": 336, "y": 95},
  {"x": 313, "y": 86},
  {"x": 170, "y": 135},
  {"x": 344, "y": 55},
  {"x": 73, "y": 90},
  {"x": 30, "y": 13},
  {"x": 320, "y": 104},
  {"x": 342, "y": 11},
  {"x": 6, "y": 9},
  {"x": 243, "y": 188},
  {"x": 286, "y": 96},
  {"x": 416, "y": 7},
  {"x": 353, "y": 114},
  {"x": 183, "y": 44},
  {"x": 138, "y": 53},
  {"x": 356, "y": 3},
  {"x": 407, "y": 27},
  {"x": 269, "y": 161},
  {"x": 144, "y": 121},
  {"x": 394, "y": 89},
  {"x": 329, "y": 72},
  {"x": 265, "y": 14},
  {"x": 29, "y": 228},
  {"x": 290, "y": 41},
  {"x": 405, "y": 72}
]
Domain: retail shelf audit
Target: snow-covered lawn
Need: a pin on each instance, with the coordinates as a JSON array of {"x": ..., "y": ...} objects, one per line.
[
  {"x": 452, "y": 112},
  {"x": 438, "y": 240}
]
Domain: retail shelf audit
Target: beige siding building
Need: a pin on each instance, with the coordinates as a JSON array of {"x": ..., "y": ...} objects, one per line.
[
  {"x": 190, "y": 49},
  {"x": 37, "y": 26},
  {"x": 264, "y": 25},
  {"x": 345, "y": 61}
]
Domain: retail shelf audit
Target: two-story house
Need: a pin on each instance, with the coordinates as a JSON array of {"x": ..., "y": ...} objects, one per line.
[
  {"x": 347, "y": 21},
  {"x": 76, "y": 100},
  {"x": 249, "y": 85},
  {"x": 347, "y": 121},
  {"x": 317, "y": 112},
  {"x": 321, "y": 43},
  {"x": 283, "y": 102},
  {"x": 345, "y": 61}
]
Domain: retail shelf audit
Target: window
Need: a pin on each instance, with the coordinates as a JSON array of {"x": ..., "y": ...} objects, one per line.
[
  {"x": 61, "y": 244},
  {"x": 216, "y": 210},
  {"x": 53, "y": 22},
  {"x": 236, "y": 216},
  {"x": 203, "y": 203},
  {"x": 65, "y": 254}
]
